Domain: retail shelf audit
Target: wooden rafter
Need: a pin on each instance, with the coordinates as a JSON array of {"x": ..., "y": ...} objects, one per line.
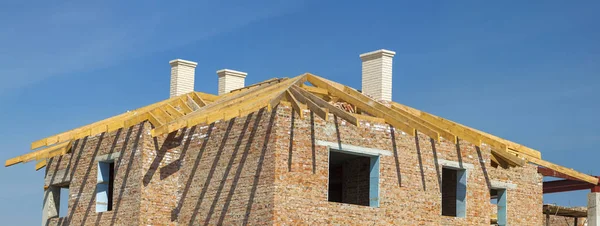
[
  {"x": 467, "y": 132},
  {"x": 316, "y": 109},
  {"x": 39, "y": 154},
  {"x": 324, "y": 104},
  {"x": 560, "y": 169},
  {"x": 367, "y": 106},
  {"x": 197, "y": 108},
  {"x": 296, "y": 105}
]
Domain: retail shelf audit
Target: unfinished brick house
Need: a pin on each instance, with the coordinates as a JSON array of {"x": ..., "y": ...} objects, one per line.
[{"x": 289, "y": 151}]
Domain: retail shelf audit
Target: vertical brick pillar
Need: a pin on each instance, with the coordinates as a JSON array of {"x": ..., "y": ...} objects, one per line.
[
  {"x": 51, "y": 203},
  {"x": 593, "y": 213},
  {"x": 377, "y": 74},
  {"x": 182, "y": 77},
  {"x": 230, "y": 80}
]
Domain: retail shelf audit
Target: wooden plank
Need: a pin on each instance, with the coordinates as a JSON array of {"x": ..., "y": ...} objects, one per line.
[
  {"x": 269, "y": 81},
  {"x": 499, "y": 161},
  {"x": 40, "y": 164},
  {"x": 154, "y": 120},
  {"x": 68, "y": 135},
  {"x": 324, "y": 104},
  {"x": 207, "y": 97},
  {"x": 199, "y": 101},
  {"x": 374, "y": 105},
  {"x": 33, "y": 155},
  {"x": 161, "y": 114},
  {"x": 369, "y": 118},
  {"x": 563, "y": 170},
  {"x": 483, "y": 136},
  {"x": 135, "y": 120},
  {"x": 444, "y": 133},
  {"x": 365, "y": 106},
  {"x": 314, "y": 90},
  {"x": 322, "y": 113},
  {"x": 232, "y": 100},
  {"x": 182, "y": 103},
  {"x": 191, "y": 102},
  {"x": 172, "y": 111},
  {"x": 296, "y": 105}
]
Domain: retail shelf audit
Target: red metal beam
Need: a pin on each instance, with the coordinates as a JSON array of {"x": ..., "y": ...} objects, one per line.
[
  {"x": 566, "y": 185},
  {"x": 551, "y": 173}
]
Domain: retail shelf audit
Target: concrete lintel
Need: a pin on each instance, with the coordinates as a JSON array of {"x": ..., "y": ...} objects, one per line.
[
  {"x": 59, "y": 177},
  {"x": 454, "y": 164},
  {"x": 108, "y": 157},
  {"x": 503, "y": 185},
  {"x": 354, "y": 149}
]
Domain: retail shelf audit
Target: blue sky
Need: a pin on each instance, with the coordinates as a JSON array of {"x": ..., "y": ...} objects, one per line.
[{"x": 525, "y": 71}]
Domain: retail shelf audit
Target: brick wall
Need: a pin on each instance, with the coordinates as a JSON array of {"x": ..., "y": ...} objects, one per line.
[
  {"x": 409, "y": 180},
  {"x": 244, "y": 171},
  {"x": 220, "y": 174},
  {"x": 79, "y": 170}
]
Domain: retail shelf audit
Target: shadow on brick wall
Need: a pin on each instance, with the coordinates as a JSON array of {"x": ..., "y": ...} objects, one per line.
[
  {"x": 227, "y": 170},
  {"x": 85, "y": 178},
  {"x": 211, "y": 172},
  {"x": 435, "y": 162},
  {"x": 396, "y": 160},
  {"x": 175, "y": 212},
  {"x": 171, "y": 141},
  {"x": 420, "y": 159},
  {"x": 238, "y": 171},
  {"x": 130, "y": 162}
]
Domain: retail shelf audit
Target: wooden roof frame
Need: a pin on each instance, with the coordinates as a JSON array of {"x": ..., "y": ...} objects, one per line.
[{"x": 201, "y": 108}]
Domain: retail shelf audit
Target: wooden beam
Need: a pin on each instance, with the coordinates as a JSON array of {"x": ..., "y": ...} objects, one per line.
[
  {"x": 199, "y": 101},
  {"x": 297, "y": 106},
  {"x": 442, "y": 131},
  {"x": 207, "y": 97},
  {"x": 369, "y": 118},
  {"x": 499, "y": 161},
  {"x": 324, "y": 104},
  {"x": 154, "y": 120},
  {"x": 322, "y": 113},
  {"x": 563, "y": 170},
  {"x": 192, "y": 103},
  {"x": 231, "y": 106},
  {"x": 269, "y": 81},
  {"x": 314, "y": 90},
  {"x": 34, "y": 155},
  {"x": 366, "y": 106},
  {"x": 172, "y": 111},
  {"x": 40, "y": 164},
  {"x": 468, "y": 133},
  {"x": 183, "y": 105}
]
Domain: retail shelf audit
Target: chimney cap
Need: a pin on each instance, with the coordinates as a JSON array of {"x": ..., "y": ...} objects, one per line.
[
  {"x": 178, "y": 62},
  {"x": 224, "y": 72},
  {"x": 377, "y": 54}
]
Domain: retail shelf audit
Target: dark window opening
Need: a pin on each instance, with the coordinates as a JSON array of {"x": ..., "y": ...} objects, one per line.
[
  {"x": 453, "y": 192},
  {"x": 349, "y": 178}
]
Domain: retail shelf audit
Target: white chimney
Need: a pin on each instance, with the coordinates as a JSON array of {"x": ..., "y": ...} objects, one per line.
[
  {"x": 182, "y": 76},
  {"x": 377, "y": 74},
  {"x": 230, "y": 80}
]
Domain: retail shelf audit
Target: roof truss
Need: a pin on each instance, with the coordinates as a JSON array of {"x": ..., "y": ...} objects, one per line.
[{"x": 200, "y": 108}]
